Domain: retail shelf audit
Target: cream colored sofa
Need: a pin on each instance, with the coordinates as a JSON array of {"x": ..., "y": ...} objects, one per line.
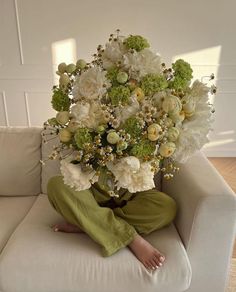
[{"x": 33, "y": 258}]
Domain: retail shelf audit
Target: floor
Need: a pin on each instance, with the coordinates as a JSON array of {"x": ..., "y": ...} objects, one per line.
[{"x": 227, "y": 168}]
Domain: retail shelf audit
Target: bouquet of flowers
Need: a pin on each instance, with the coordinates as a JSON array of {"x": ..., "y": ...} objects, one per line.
[{"x": 122, "y": 115}]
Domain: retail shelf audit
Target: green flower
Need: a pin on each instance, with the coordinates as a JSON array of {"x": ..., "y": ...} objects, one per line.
[
  {"x": 112, "y": 75},
  {"x": 152, "y": 83},
  {"x": 119, "y": 94},
  {"x": 182, "y": 73},
  {"x": 133, "y": 127},
  {"x": 143, "y": 149},
  {"x": 60, "y": 100},
  {"x": 136, "y": 42},
  {"x": 82, "y": 136}
]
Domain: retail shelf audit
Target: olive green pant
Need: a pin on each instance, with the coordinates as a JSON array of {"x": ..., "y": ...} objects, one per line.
[{"x": 111, "y": 222}]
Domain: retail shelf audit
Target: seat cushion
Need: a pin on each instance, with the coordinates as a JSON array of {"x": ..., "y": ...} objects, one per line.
[
  {"x": 39, "y": 259},
  {"x": 20, "y": 155},
  {"x": 12, "y": 211}
]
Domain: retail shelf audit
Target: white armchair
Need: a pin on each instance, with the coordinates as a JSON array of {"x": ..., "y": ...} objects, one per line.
[
  {"x": 33, "y": 258},
  {"x": 205, "y": 221}
]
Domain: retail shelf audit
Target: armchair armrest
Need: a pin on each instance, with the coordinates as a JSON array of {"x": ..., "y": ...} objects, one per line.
[{"x": 206, "y": 221}]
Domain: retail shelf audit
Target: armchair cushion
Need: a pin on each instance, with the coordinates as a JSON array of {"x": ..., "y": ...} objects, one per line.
[
  {"x": 20, "y": 161},
  {"x": 39, "y": 259}
]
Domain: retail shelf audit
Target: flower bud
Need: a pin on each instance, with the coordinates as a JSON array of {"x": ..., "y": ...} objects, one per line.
[
  {"x": 178, "y": 117},
  {"x": 64, "y": 80},
  {"x": 132, "y": 84},
  {"x": 101, "y": 129},
  {"x": 172, "y": 104},
  {"x": 173, "y": 134},
  {"x": 64, "y": 135},
  {"x": 62, "y": 117},
  {"x": 113, "y": 137},
  {"x": 122, "y": 77},
  {"x": 52, "y": 122},
  {"x": 70, "y": 68},
  {"x": 81, "y": 64},
  {"x": 138, "y": 92},
  {"x": 72, "y": 126},
  {"x": 154, "y": 132},
  {"x": 62, "y": 68},
  {"x": 122, "y": 145},
  {"x": 167, "y": 149}
]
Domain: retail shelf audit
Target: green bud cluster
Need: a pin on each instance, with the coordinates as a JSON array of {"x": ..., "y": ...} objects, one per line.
[
  {"x": 152, "y": 83},
  {"x": 119, "y": 94},
  {"x": 60, "y": 100},
  {"x": 136, "y": 42},
  {"x": 182, "y": 74},
  {"x": 82, "y": 136},
  {"x": 133, "y": 127},
  {"x": 143, "y": 149}
]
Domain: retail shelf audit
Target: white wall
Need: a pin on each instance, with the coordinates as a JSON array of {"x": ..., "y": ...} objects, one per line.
[{"x": 36, "y": 35}]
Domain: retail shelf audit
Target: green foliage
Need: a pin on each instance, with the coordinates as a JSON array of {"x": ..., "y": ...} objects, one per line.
[
  {"x": 182, "y": 73},
  {"x": 133, "y": 127},
  {"x": 82, "y": 136}
]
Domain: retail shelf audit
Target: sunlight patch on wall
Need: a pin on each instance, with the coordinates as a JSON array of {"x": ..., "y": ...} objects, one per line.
[
  {"x": 203, "y": 62},
  {"x": 63, "y": 51}
]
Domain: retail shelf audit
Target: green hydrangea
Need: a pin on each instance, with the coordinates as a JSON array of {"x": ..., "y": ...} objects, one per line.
[
  {"x": 136, "y": 42},
  {"x": 133, "y": 127},
  {"x": 119, "y": 94},
  {"x": 152, "y": 83},
  {"x": 60, "y": 100},
  {"x": 112, "y": 74},
  {"x": 143, "y": 149},
  {"x": 82, "y": 136},
  {"x": 182, "y": 73}
]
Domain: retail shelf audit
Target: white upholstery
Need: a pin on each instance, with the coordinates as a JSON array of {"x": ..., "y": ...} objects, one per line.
[
  {"x": 12, "y": 211},
  {"x": 20, "y": 169},
  {"x": 41, "y": 260},
  {"x": 206, "y": 221}
]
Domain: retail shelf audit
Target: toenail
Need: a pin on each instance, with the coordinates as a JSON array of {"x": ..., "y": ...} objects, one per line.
[
  {"x": 153, "y": 268},
  {"x": 56, "y": 229},
  {"x": 157, "y": 267},
  {"x": 162, "y": 258},
  {"x": 160, "y": 264}
]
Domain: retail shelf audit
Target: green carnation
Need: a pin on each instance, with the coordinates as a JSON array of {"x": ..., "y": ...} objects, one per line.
[
  {"x": 143, "y": 149},
  {"x": 152, "y": 83},
  {"x": 136, "y": 42},
  {"x": 182, "y": 73},
  {"x": 82, "y": 136},
  {"x": 112, "y": 75},
  {"x": 133, "y": 127},
  {"x": 60, "y": 100},
  {"x": 119, "y": 94}
]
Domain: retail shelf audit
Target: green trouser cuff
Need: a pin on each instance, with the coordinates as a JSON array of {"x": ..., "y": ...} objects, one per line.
[{"x": 114, "y": 247}]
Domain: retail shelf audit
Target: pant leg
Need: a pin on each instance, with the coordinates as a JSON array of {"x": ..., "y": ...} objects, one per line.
[
  {"x": 148, "y": 210},
  {"x": 81, "y": 208}
]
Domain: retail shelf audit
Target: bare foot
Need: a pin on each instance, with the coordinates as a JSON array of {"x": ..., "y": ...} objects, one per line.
[
  {"x": 66, "y": 227},
  {"x": 149, "y": 256}
]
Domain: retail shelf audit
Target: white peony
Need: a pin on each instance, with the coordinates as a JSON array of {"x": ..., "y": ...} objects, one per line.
[
  {"x": 132, "y": 175},
  {"x": 194, "y": 131},
  {"x": 90, "y": 84},
  {"x": 87, "y": 114},
  {"x": 74, "y": 177},
  {"x": 113, "y": 53},
  {"x": 141, "y": 63}
]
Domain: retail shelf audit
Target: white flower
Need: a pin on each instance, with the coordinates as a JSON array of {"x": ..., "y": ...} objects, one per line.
[
  {"x": 125, "y": 112},
  {"x": 132, "y": 175},
  {"x": 74, "y": 177},
  {"x": 141, "y": 63},
  {"x": 113, "y": 53},
  {"x": 90, "y": 84},
  {"x": 87, "y": 114},
  {"x": 194, "y": 131}
]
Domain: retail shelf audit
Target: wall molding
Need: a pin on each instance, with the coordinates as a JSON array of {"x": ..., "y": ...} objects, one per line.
[
  {"x": 19, "y": 32},
  {"x": 3, "y": 94}
]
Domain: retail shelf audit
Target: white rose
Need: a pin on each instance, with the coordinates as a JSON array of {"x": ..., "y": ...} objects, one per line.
[
  {"x": 90, "y": 84},
  {"x": 167, "y": 149}
]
